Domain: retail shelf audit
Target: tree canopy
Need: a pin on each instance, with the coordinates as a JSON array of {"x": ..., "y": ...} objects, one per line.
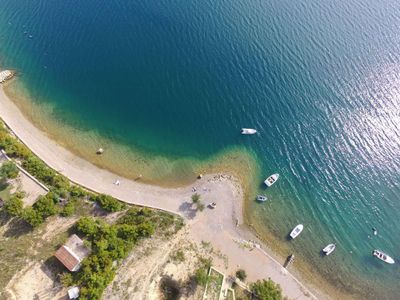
[{"x": 267, "y": 290}]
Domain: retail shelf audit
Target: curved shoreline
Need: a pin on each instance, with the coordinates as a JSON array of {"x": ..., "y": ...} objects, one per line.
[{"x": 220, "y": 229}]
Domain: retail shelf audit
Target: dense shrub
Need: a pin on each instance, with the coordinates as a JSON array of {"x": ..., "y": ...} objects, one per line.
[
  {"x": 14, "y": 206},
  {"x": 38, "y": 169},
  {"x": 111, "y": 243},
  {"x": 32, "y": 217},
  {"x": 77, "y": 191},
  {"x": 266, "y": 290},
  {"x": 8, "y": 170},
  {"x": 241, "y": 274},
  {"x": 69, "y": 208},
  {"x": 45, "y": 205},
  {"x": 108, "y": 203},
  {"x": 88, "y": 226}
]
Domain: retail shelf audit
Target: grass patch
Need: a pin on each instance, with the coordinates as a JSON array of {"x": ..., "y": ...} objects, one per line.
[{"x": 214, "y": 285}]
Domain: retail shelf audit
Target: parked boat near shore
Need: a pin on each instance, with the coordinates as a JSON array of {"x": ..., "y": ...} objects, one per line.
[
  {"x": 383, "y": 256},
  {"x": 296, "y": 231},
  {"x": 271, "y": 179},
  {"x": 329, "y": 249},
  {"x": 262, "y": 198}
]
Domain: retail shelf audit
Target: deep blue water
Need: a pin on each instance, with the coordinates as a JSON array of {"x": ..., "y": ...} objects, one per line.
[{"x": 319, "y": 79}]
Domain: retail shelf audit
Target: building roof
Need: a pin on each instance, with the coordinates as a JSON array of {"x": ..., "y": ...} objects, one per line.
[
  {"x": 67, "y": 258},
  {"x": 72, "y": 253}
]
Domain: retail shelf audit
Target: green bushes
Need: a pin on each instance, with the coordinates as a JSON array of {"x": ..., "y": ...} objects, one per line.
[
  {"x": 8, "y": 170},
  {"x": 69, "y": 209},
  {"x": 201, "y": 274},
  {"x": 196, "y": 201},
  {"x": 32, "y": 217},
  {"x": 108, "y": 203},
  {"x": 241, "y": 274},
  {"x": 110, "y": 243},
  {"x": 14, "y": 206},
  {"x": 266, "y": 290}
]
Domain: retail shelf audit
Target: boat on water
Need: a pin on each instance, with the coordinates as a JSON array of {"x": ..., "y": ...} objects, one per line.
[
  {"x": 262, "y": 198},
  {"x": 248, "y": 131},
  {"x": 296, "y": 231},
  {"x": 383, "y": 256},
  {"x": 329, "y": 249},
  {"x": 271, "y": 179}
]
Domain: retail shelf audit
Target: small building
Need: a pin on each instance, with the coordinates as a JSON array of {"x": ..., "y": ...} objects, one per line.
[{"x": 72, "y": 253}]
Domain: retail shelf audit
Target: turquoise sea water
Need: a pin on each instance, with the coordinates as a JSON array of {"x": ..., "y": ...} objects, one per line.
[{"x": 319, "y": 79}]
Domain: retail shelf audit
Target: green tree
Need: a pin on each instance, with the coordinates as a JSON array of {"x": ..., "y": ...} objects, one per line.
[
  {"x": 14, "y": 206},
  {"x": 32, "y": 217},
  {"x": 9, "y": 170},
  {"x": 68, "y": 209},
  {"x": 266, "y": 290},
  {"x": 241, "y": 274},
  {"x": 195, "y": 198},
  {"x": 66, "y": 279},
  {"x": 88, "y": 226},
  {"x": 45, "y": 205},
  {"x": 109, "y": 203}
]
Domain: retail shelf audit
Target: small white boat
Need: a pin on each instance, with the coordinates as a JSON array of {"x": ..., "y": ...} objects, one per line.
[
  {"x": 248, "y": 131},
  {"x": 296, "y": 231},
  {"x": 383, "y": 256},
  {"x": 329, "y": 249},
  {"x": 262, "y": 198},
  {"x": 271, "y": 179}
]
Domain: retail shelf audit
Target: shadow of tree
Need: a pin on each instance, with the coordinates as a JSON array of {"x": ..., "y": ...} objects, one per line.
[
  {"x": 17, "y": 228},
  {"x": 187, "y": 209},
  {"x": 52, "y": 267},
  {"x": 4, "y": 218}
]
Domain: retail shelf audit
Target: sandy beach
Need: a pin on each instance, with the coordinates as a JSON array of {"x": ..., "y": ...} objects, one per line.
[{"x": 222, "y": 227}]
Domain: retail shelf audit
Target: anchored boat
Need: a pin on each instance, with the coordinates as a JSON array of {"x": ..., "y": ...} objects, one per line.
[
  {"x": 296, "y": 231},
  {"x": 271, "y": 179},
  {"x": 262, "y": 198},
  {"x": 329, "y": 249},
  {"x": 248, "y": 131},
  {"x": 383, "y": 256}
]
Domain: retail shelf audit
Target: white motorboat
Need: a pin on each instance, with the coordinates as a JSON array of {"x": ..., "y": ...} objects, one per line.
[
  {"x": 271, "y": 179},
  {"x": 383, "y": 256},
  {"x": 248, "y": 131},
  {"x": 329, "y": 249},
  {"x": 296, "y": 231},
  {"x": 262, "y": 198}
]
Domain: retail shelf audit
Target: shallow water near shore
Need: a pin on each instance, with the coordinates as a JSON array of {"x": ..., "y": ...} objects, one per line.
[{"x": 165, "y": 87}]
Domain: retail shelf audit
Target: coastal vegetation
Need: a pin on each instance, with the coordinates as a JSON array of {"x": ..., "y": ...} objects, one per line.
[
  {"x": 196, "y": 201},
  {"x": 241, "y": 274},
  {"x": 266, "y": 290},
  {"x": 111, "y": 243},
  {"x": 62, "y": 196},
  {"x": 8, "y": 170}
]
